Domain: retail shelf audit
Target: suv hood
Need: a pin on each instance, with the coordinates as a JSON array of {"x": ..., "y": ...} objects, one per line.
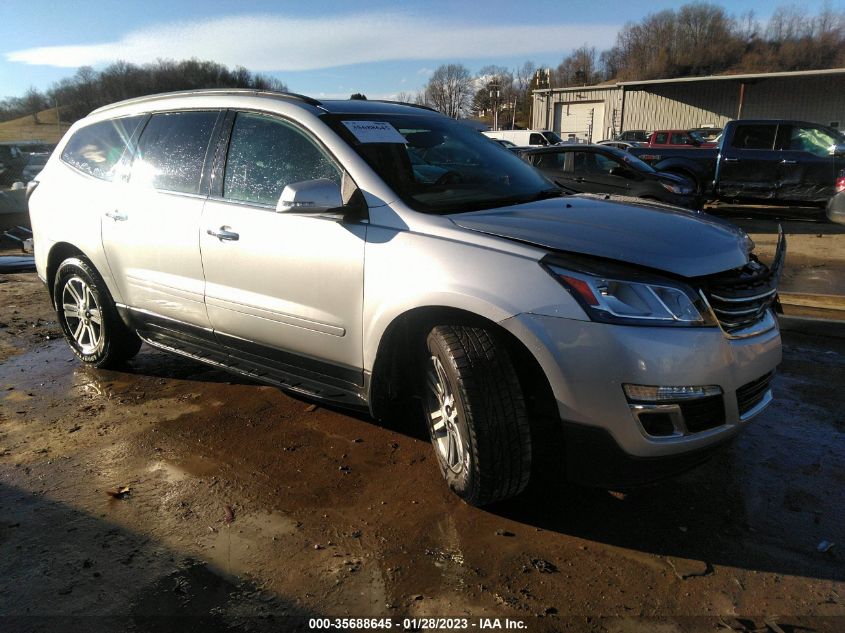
[{"x": 660, "y": 237}]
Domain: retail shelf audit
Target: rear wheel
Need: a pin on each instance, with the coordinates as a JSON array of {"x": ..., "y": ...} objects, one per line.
[
  {"x": 88, "y": 317},
  {"x": 475, "y": 414}
]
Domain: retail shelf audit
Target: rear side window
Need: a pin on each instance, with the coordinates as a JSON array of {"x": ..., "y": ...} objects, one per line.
[
  {"x": 171, "y": 151},
  {"x": 754, "y": 136},
  {"x": 96, "y": 149},
  {"x": 266, "y": 155}
]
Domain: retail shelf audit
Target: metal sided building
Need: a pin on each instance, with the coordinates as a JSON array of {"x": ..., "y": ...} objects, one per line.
[{"x": 593, "y": 113}]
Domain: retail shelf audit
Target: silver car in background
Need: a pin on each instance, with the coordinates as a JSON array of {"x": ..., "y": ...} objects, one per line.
[{"x": 386, "y": 258}]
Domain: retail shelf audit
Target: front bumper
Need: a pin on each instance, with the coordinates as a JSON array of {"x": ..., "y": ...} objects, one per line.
[{"x": 587, "y": 363}]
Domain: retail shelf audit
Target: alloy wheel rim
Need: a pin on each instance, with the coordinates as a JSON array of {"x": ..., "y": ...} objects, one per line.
[
  {"x": 83, "y": 315},
  {"x": 443, "y": 418}
]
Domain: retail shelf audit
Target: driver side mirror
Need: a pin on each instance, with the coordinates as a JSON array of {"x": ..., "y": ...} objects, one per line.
[
  {"x": 310, "y": 196},
  {"x": 621, "y": 172}
]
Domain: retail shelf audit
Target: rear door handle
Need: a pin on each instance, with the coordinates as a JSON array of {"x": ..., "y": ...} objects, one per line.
[
  {"x": 788, "y": 162},
  {"x": 731, "y": 160},
  {"x": 223, "y": 233},
  {"x": 117, "y": 216}
]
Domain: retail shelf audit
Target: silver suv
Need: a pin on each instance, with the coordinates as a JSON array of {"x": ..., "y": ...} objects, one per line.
[{"x": 383, "y": 257}]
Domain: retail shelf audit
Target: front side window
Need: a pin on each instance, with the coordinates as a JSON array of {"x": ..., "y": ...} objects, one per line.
[
  {"x": 267, "y": 154},
  {"x": 96, "y": 149},
  {"x": 604, "y": 164},
  {"x": 171, "y": 151},
  {"x": 536, "y": 139},
  {"x": 437, "y": 165},
  {"x": 814, "y": 140},
  {"x": 679, "y": 138}
]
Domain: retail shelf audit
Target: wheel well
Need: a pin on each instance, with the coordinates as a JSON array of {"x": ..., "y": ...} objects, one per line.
[
  {"x": 59, "y": 253},
  {"x": 392, "y": 387},
  {"x": 686, "y": 173}
]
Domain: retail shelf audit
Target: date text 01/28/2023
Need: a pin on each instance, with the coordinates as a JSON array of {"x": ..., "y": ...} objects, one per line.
[{"x": 415, "y": 624}]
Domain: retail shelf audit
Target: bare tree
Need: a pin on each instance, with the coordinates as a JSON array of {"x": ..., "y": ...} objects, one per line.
[
  {"x": 450, "y": 89},
  {"x": 579, "y": 68}
]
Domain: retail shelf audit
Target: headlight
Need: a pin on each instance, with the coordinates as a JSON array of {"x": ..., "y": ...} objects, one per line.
[
  {"x": 617, "y": 299},
  {"x": 678, "y": 189}
]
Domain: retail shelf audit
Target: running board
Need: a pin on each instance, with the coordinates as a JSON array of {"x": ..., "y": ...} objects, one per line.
[{"x": 271, "y": 375}]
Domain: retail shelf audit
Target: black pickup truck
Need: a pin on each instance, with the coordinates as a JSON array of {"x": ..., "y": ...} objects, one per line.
[{"x": 772, "y": 161}]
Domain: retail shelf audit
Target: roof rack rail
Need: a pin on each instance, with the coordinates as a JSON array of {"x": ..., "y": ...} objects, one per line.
[
  {"x": 405, "y": 103},
  {"x": 210, "y": 91}
]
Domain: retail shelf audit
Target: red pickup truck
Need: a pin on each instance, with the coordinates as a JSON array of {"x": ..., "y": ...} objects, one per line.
[{"x": 678, "y": 138}]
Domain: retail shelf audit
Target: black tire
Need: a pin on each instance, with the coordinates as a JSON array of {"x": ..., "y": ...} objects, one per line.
[
  {"x": 81, "y": 298},
  {"x": 482, "y": 440}
]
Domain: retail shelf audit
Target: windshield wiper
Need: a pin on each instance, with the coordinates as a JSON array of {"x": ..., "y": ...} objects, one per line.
[{"x": 545, "y": 194}]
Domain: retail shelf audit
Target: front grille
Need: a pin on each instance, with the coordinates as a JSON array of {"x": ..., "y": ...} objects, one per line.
[
  {"x": 737, "y": 310},
  {"x": 741, "y": 297},
  {"x": 703, "y": 413},
  {"x": 750, "y": 394}
]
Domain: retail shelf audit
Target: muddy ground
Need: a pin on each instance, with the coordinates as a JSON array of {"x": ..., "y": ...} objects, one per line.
[{"x": 170, "y": 496}]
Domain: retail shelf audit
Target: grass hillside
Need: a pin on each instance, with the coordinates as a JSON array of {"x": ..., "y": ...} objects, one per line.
[{"x": 46, "y": 128}]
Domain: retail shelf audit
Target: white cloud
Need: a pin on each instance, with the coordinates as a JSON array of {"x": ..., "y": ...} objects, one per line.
[{"x": 276, "y": 43}]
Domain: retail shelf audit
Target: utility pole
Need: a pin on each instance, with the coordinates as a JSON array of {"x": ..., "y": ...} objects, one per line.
[{"x": 494, "y": 99}]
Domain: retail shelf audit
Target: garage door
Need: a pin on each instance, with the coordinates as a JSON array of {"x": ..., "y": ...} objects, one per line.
[{"x": 581, "y": 121}]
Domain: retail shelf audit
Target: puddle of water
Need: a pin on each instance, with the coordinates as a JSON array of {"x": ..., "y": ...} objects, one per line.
[
  {"x": 244, "y": 543},
  {"x": 191, "y": 467}
]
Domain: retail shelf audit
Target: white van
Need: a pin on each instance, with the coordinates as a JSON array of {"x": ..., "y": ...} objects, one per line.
[{"x": 526, "y": 137}]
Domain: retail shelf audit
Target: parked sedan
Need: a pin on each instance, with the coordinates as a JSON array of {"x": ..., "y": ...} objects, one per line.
[
  {"x": 34, "y": 166},
  {"x": 602, "y": 169},
  {"x": 623, "y": 145}
]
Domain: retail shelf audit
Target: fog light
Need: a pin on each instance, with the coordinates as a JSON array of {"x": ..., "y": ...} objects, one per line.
[
  {"x": 646, "y": 393},
  {"x": 657, "y": 423}
]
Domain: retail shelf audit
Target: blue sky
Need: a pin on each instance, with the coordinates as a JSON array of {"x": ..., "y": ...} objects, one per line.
[{"x": 324, "y": 48}]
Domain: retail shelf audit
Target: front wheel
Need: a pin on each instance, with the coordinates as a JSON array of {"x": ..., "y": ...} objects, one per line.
[
  {"x": 88, "y": 317},
  {"x": 476, "y": 414}
]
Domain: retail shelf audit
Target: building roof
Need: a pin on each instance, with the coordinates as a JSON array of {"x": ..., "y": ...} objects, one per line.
[{"x": 742, "y": 77}]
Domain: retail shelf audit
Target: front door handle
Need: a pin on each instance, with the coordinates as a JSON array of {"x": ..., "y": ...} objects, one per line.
[
  {"x": 117, "y": 216},
  {"x": 731, "y": 160},
  {"x": 223, "y": 233},
  {"x": 788, "y": 162}
]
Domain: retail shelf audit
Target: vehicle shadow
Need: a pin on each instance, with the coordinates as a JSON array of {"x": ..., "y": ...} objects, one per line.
[
  {"x": 73, "y": 571},
  {"x": 733, "y": 510}
]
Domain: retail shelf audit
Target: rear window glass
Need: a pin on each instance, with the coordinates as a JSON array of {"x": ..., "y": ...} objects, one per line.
[
  {"x": 754, "y": 136},
  {"x": 96, "y": 149},
  {"x": 171, "y": 151}
]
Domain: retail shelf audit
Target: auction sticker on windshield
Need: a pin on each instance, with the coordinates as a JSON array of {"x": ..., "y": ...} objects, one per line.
[{"x": 374, "y": 132}]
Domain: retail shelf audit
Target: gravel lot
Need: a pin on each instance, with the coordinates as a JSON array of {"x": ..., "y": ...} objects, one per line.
[{"x": 170, "y": 489}]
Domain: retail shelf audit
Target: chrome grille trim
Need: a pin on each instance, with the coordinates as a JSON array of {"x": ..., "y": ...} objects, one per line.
[{"x": 763, "y": 295}]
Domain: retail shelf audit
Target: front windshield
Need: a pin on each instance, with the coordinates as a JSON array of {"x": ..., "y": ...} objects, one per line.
[
  {"x": 442, "y": 166},
  {"x": 552, "y": 138},
  {"x": 630, "y": 160}
]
